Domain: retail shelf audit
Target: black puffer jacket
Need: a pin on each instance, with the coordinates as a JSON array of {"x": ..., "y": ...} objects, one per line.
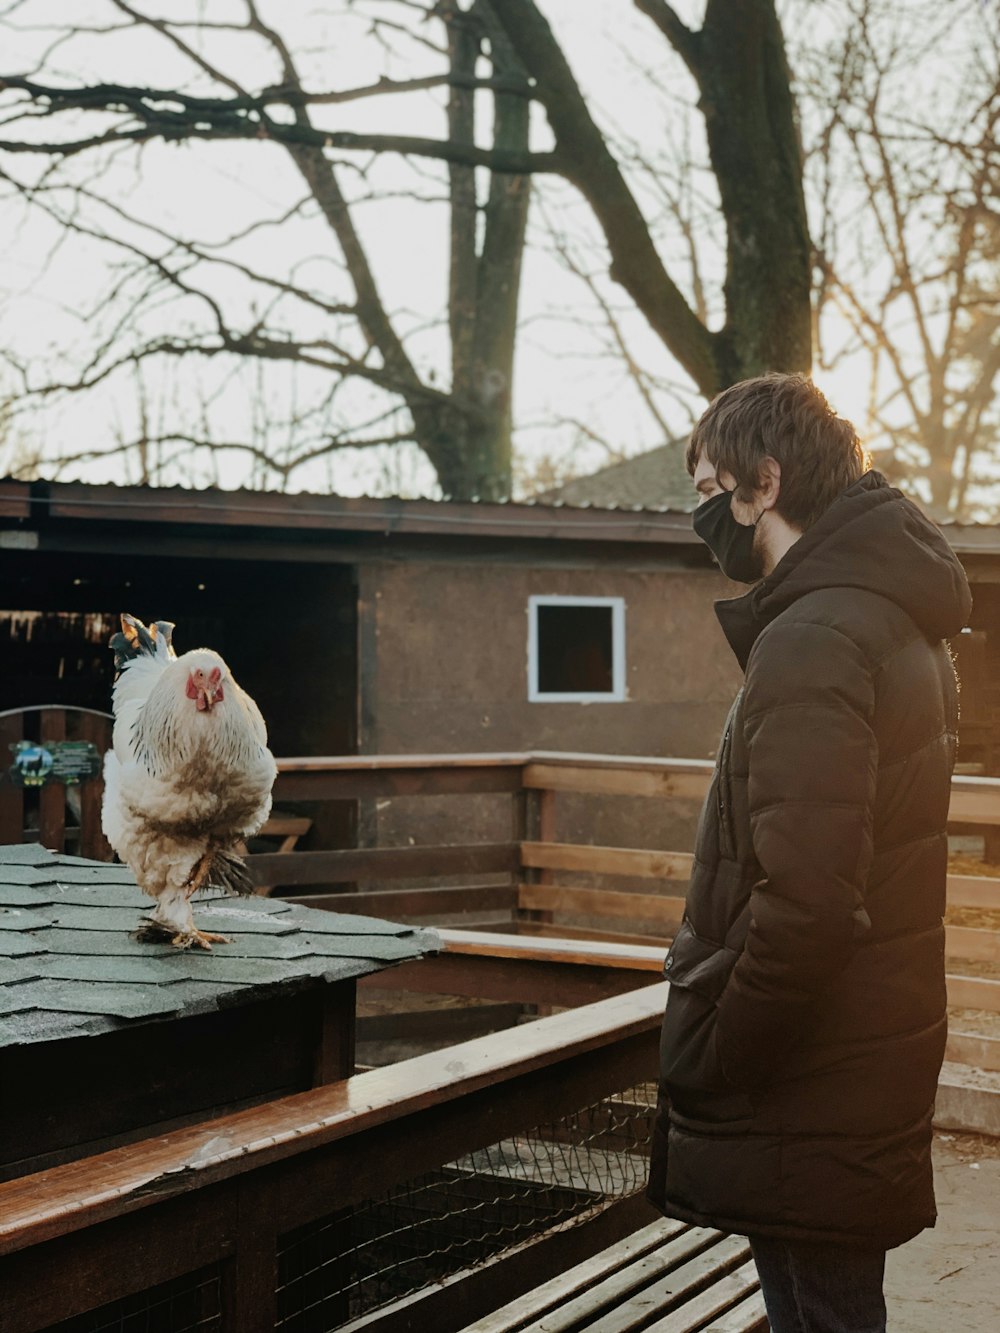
[{"x": 806, "y": 1021}]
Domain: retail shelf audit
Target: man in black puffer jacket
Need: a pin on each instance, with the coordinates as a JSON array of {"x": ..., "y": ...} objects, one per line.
[{"x": 806, "y": 1022}]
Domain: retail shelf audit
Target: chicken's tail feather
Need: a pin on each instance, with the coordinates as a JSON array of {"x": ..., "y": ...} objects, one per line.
[
  {"x": 229, "y": 872},
  {"x": 135, "y": 640}
]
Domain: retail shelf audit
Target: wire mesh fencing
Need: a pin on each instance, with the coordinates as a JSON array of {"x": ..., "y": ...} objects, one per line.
[
  {"x": 187, "y": 1304},
  {"x": 466, "y": 1212}
]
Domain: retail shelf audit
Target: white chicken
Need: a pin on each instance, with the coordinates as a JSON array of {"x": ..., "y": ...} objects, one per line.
[{"x": 188, "y": 777}]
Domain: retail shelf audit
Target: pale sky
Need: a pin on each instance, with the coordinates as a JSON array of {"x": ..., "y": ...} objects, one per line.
[{"x": 57, "y": 287}]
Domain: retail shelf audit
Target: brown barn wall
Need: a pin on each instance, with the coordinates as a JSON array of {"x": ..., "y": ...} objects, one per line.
[
  {"x": 444, "y": 669},
  {"x": 450, "y": 661}
]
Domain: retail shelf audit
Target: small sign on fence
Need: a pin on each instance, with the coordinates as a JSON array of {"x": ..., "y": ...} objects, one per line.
[{"x": 38, "y": 763}]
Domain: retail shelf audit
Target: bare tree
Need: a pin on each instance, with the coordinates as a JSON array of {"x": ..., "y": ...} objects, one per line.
[
  {"x": 345, "y": 336},
  {"x": 905, "y": 189},
  {"x": 358, "y": 381}
]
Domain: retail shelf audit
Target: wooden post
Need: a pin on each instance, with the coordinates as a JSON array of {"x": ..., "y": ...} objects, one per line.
[
  {"x": 249, "y": 1280},
  {"x": 93, "y": 843},
  {"x": 52, "y": 798},
  {"x": 11, "y": 797},
  {"x": 335, "y": 1043}
]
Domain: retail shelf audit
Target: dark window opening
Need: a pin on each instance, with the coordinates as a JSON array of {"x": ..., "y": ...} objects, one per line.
[{"x": 575, "y": 650}]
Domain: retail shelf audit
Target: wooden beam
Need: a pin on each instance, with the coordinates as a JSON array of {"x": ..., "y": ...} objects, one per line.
[
  {"x": 965, "y": 942},
  {"x": 508, "y": 980},
  {"x": 974, "y": 891},
  {"x": 633, "y": 862},
  {"x": 973, "y": 993},
  {"x": 561, "y": 931},
  {"x": 274, "y": 869},
  {"x": 602, "y": 902},
  {"x": 392, "y": 903},
  {"x": 971, "y": 1048},
  {"x": 678, "y": 782},
  {"x": 597, "y": 954},
  {"x": 351, "y": 784},
  {"x": 250, "y": 1278},
  {"x": 974, "y": 801}
]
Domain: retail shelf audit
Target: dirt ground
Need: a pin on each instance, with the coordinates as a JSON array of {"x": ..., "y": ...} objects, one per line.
[{"x": 947, "y": 1280}]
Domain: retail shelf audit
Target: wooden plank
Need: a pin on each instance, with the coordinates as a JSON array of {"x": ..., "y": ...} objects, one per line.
[
  {"x": 971, "y": 1048},
  {"x": 358, "y": 776},
  {"x": 451, "y": 1024},
  {"x": 485, "y": 858},
  {"x": 393, "y": 903},
  {"x": 974, "y": 801},
  {"x": 552, "y": 1294},
  {"x": 52, "y": 797},
  {"x": 612, "y": 782},
  {"x": 677, "y": 778},
  {"x": 564, "y": 932},
  {"x": 604, "y": 1301},
  {"x": 640, "y": 864},
  {"x": 93, "y": 844},
  {"x": 545, "y": 832},
  {"x": 966, "y": 942},
  {"x": 79, "y": 1194},
  {"x": 973, "y": 891},
  {"x": 597, "y": 953},
  {"x": 376, "y": 763},
  {"x": 750, "y": 1316},
  {"x": 719, "y": 1299},
  {"x": 973, "y": 993},
  {"x": 526, "y": 980},
  {"x": 677, "y": 1287},
  {"x": 11, "y": 797},
  {"x": 602, "y": 902}
]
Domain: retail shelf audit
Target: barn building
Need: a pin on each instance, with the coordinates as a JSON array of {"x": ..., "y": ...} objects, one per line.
[{"x": 366, "y": 626}]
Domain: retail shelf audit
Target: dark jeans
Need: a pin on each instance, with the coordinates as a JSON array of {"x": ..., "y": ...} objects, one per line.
[{"x": 820, "y": 1288}]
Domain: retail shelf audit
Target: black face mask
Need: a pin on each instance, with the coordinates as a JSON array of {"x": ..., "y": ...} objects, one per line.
[{"x": 730, "y": 542}]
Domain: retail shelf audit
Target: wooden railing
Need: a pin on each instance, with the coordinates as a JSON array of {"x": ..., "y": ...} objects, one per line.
[{"x": 223, "y": 1200}]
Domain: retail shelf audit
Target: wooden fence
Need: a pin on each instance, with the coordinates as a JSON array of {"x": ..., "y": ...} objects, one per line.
[
  {"x": 246, "y": 1222},
  {"x": 534, "y": 886},
  {"x": 537, "y": 890}
]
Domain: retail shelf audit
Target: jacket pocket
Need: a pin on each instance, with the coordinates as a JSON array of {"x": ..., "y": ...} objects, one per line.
[{"x": 697, "y": 970}]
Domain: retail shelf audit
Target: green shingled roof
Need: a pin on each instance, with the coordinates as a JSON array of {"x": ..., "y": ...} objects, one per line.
[{"x": 70, "y": 965}]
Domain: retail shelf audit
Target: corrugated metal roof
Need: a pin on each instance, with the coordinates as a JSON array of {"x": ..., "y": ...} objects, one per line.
[
  {"x": 630, "y": 505},
  {"x": 655, "y": 480},
  {"x": 69, "y": 965}
]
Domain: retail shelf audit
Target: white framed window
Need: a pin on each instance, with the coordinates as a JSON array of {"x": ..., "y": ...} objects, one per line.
[{"x": 576, "y": 649}]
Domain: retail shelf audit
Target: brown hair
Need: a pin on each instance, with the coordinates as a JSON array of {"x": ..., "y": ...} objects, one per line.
[{"x": 787, "y": 418}]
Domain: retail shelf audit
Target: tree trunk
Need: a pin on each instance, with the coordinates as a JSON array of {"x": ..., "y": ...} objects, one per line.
[{"x": 756, "y": 155}]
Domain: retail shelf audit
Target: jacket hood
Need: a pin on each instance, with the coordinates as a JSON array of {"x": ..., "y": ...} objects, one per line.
[{"x": 872, "y": 538}]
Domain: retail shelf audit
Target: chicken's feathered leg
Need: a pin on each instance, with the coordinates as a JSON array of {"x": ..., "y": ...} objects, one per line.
[
  {"x": 173, "y": 921},
  {"x": 204, "y": 939}
]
